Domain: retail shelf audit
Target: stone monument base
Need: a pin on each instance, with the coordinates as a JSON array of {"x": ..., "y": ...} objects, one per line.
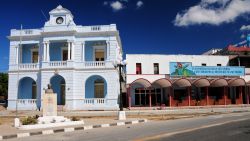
[
  {"x": 50, "y": 125},
  {"x": 52, "y": 119}
]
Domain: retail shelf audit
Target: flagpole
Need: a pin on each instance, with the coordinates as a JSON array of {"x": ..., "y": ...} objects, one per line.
[{"x": 18, "y": 60}]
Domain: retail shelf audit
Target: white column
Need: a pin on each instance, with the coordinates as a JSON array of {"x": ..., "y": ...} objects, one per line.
[
  {"x": 83, "y": 51},
  {"x": 48, "y": 57},
  {"x": 17, "y": 54},
  {"x": 108, "y": 50},
  {"x": 72, "y": 51},
  {"x": 68, "y": 50},
  {"x": 20, "y": 53},
  {"x": 44, "y": 51}
]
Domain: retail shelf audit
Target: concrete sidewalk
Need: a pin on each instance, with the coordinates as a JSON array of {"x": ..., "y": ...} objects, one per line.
[
  {"x": 137, "y": 113},
  {"x": 7, "y": 131}
]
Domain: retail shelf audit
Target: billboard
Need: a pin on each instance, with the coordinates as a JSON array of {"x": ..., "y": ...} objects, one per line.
[{"x": 186, "y": 69}]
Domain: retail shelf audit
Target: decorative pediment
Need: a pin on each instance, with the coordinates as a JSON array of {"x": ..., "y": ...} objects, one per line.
[{"x": 60, "y": 10}]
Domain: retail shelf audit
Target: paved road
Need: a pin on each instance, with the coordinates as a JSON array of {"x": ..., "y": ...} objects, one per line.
[
  {"x": 235, "y": 125},
  {"x": 235, "y": 131}
]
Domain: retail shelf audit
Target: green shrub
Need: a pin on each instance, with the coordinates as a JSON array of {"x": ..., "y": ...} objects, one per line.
[{"x": 29, "y": 120}]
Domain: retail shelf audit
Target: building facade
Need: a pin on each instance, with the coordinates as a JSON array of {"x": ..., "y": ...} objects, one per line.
[
  {"x": 184, "y": 80},
  {"x": 78, "y": 61}
]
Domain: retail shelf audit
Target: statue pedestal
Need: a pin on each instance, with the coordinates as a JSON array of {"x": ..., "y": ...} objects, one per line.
[{"x": 49, "y": 101}]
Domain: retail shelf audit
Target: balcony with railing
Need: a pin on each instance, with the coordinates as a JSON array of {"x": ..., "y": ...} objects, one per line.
[
  {"x": 97, "y": 28},
  {"x": 25, "y": 32},
  {"x": 94, "y": 101},
  {"x": 62, "y": 64},
  {"x": 24, "y": 104},
  {"x": 82, "y": 29},
  {"x": 29, "y": 66},
  {"x": 25, "y": 66}
]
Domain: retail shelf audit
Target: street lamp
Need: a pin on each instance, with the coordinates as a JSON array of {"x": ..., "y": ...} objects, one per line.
[{"x": 121, "y": 64}]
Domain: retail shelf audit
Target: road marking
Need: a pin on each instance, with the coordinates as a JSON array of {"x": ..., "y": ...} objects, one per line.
[
  {"x": 47, "y": 132},
  {"x": 237, "y": 115},
  {"x": 69, "y": 129},
  {"x": 187, "y": 130},
  {"x": 120, "y": 123},
  {"x": 216, "y": 117},
  {"x": 105, "y": 125},
  {"x": 135, "y": 122},
  {"x": 21, "y": 135},
  {"x": 88, "y": 127}
]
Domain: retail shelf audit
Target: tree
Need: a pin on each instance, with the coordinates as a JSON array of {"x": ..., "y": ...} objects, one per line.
[{"x": 4, "y": 84}]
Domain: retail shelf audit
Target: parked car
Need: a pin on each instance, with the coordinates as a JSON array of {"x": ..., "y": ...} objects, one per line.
[{"x": 3, "y": 103}]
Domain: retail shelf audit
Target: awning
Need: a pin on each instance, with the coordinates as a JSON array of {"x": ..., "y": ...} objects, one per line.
[
  {"x": 236, "y": 82},
  {"x": 162, "y": 83},
  {"x": 182, "y": 83},
  {"x": 218, "y": 82},
  {"x": 201, "y": 82},
  {"x": 143, "y": 82}
]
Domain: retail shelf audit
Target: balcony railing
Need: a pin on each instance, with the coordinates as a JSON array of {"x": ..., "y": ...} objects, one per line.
[
  {"x": 58, "y": 64},
  {"x": 28, "y": 66},
  {"x": 94, "y": 101},
  {"x": 63, "y": 64},
  {"x": 26, "y": 101},
  {"x": 25, "y": 66},
  {"x": 24, "y": 104},
  {"x": 94, "y": 64},
  {"x": 38, "y": 32}
]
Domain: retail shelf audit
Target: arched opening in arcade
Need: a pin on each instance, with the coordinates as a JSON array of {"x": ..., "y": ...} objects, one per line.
[
  {"x": 181, "y": 92},
  {"x": 218, "y": 92},
  {"x": 161, "y": 92},
  {"x": 27, "y": 88},
  {"x": 95, "y": 87},
  {"x": 237, "y": 91},
  {"x": 139, "y": 93},
  {"x": 58, "y": 85},
  {"x": 199, "y": 93}
]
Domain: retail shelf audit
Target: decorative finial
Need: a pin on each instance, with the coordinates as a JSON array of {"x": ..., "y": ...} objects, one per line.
[{"x": 59, "y": 7}]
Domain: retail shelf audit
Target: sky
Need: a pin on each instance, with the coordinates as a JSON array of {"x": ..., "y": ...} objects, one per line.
[{"x": 145, "y": 26}]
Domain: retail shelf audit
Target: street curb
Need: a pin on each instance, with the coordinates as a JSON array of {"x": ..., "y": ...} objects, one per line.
[{"x": 69, "y": 129}]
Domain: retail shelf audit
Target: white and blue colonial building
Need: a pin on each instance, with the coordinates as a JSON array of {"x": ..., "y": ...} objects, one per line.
[{"x": 78, "y": 61}]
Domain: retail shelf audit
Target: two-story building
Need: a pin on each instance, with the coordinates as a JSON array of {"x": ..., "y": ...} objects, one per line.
[
  {"x": 155, "y": 80},
  {"x": 78, "y": 61}
]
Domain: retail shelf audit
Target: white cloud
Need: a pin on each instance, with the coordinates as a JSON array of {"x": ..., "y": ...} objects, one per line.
[
  {"x": 116, "y": 5},
  {"x": 214, "y": 12},
  {"x": 105, "y": 3},
  {"x": 245, "y": 28},
  {"x": 139, "y": 4},
  {"x": 243, "y": 36}
]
